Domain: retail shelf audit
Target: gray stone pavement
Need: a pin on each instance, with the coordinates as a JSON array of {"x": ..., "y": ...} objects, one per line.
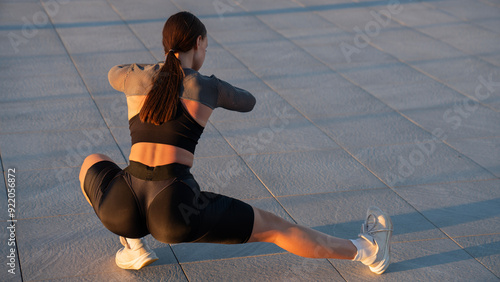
[{"x": 360, "y": 103}]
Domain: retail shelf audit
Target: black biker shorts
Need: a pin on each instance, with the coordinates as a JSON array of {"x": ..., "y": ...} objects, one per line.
[{"x": 166, "y": 202}]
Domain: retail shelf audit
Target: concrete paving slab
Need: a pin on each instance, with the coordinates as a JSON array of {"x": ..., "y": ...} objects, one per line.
[
  {"x": 170, "y": 272},
  {"x": 64, "y": 86},
  {"x": 465, "y": 37},
  {"x": 149, "y": 34},
  {"x": 280, "y": 134},
  {"x": 228, "y": 176},
  {"x": 247, "y": 30},
  {"x": 312, "y": 80},
  {"x": 463, "y": 74},
  {"x": 102, "y": 38},
  {"x": 341, "y": 214},
  {"x": 338, "y": 49},
  {"x": 388, "y": 74},
  {"x": 291, "y": 22},
  {"x": 281, "y": 267},
  {"x": 414, "y": 96},
  {"x": 459, "y": 209},
  {"x": 12, "y": 13},
  {"x": 490, "y": 24},
  {"x": 122, "y": 137},
  {"x": 468, "y": 10},
  {"x": 57, "y": 78},
  {"x": 421, "y": 15},
  {"x": 261, "y": 7},
  {"x": 461, "y": 120},
  {"x": 134, "y": 11},
  {"x": 436, "y": 260},
  {"x": 326, "y": 171},
  {"x": 287, "y": 15},
  {"x": 220, "y": 59},
  {"x": 486, "y": 249},
  {"x": 420, "y": 163},
  {"x": 208, "y": 8},
  {"x": 493, "y": 59},
  {"x": 212, "y": 144},
  {"x": 485, "y": 152},
  {"x": 113, "y": 109},
  {"x": 66, "y": 246},
  {"x": 49, "y": 114},
  {"x": 195, "y": 252},
  {"x": 46, "y": 66},
  {"x": 46, "y": 149},
  {"x": 360, "y": 17},
  {"x": 407, "y": 44},
  {"x": 364, "y": 130},
  {"x": 30, "y": 41},
  {"x": 285, "y": 57},
  {"x": 49, "y": 193},
  {"x": 334, "y": 101},
  {"x": 83, "y": 13}
]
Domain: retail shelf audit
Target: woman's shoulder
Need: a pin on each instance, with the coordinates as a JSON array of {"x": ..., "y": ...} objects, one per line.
[
  {"x": 199, "y": 87},
  {"x": 133, "y": 79},
  {"x": 190, "y": 74}
]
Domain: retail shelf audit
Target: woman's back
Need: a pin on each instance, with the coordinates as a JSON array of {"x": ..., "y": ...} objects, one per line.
[{"x": 173, "y": 141}]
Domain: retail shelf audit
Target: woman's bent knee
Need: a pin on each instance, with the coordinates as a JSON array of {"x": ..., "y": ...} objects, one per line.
[
  {"x": 87, "y": 163},
  {"x": 90, "y": 161}
]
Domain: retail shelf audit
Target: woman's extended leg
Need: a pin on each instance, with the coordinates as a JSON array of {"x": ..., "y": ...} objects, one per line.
[
  {"x": 299, "y": 240},
  {"x": 372, "y": 248}
]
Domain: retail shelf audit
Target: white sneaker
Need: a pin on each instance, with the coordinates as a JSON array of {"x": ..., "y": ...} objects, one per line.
[
  {"x": 135, "y": 254},
  {"x": 377, "y": 229}
]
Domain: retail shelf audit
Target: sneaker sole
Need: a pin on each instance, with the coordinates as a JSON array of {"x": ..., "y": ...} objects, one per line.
[
  {"x": 382, "y": 265},
  {"x": 138, "y": 263}
]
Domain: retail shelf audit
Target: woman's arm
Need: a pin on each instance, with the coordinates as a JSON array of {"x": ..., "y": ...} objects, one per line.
[{"x": 234, "y": 98}]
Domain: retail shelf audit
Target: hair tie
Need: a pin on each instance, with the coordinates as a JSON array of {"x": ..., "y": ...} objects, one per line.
[{"x": 171, "y": 50}]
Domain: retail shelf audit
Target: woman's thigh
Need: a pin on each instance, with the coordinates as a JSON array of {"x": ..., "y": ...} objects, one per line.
[{"x": 183, "y": 213}]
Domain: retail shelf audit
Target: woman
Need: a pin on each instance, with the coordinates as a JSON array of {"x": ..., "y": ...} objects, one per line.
[{"x": 168, "y": 107}]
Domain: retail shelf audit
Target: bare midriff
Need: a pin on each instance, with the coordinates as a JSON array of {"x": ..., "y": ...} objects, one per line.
[{"x": 153, "y": 154}]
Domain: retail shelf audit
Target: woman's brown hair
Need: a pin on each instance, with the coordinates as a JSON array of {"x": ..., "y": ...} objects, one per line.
[{"x": 180, "y": 34}]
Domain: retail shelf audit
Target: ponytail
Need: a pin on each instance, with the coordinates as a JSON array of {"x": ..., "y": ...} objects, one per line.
[
  {"x": 163, "y": 98},
  {"x": 179, "y": 35}
]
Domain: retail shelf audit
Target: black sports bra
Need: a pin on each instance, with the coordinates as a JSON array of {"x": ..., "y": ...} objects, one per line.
[{"x": 182, "y": 131}]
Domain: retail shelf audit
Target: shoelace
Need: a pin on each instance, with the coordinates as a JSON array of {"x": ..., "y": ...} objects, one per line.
[{"x": 368, "y": 229}]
